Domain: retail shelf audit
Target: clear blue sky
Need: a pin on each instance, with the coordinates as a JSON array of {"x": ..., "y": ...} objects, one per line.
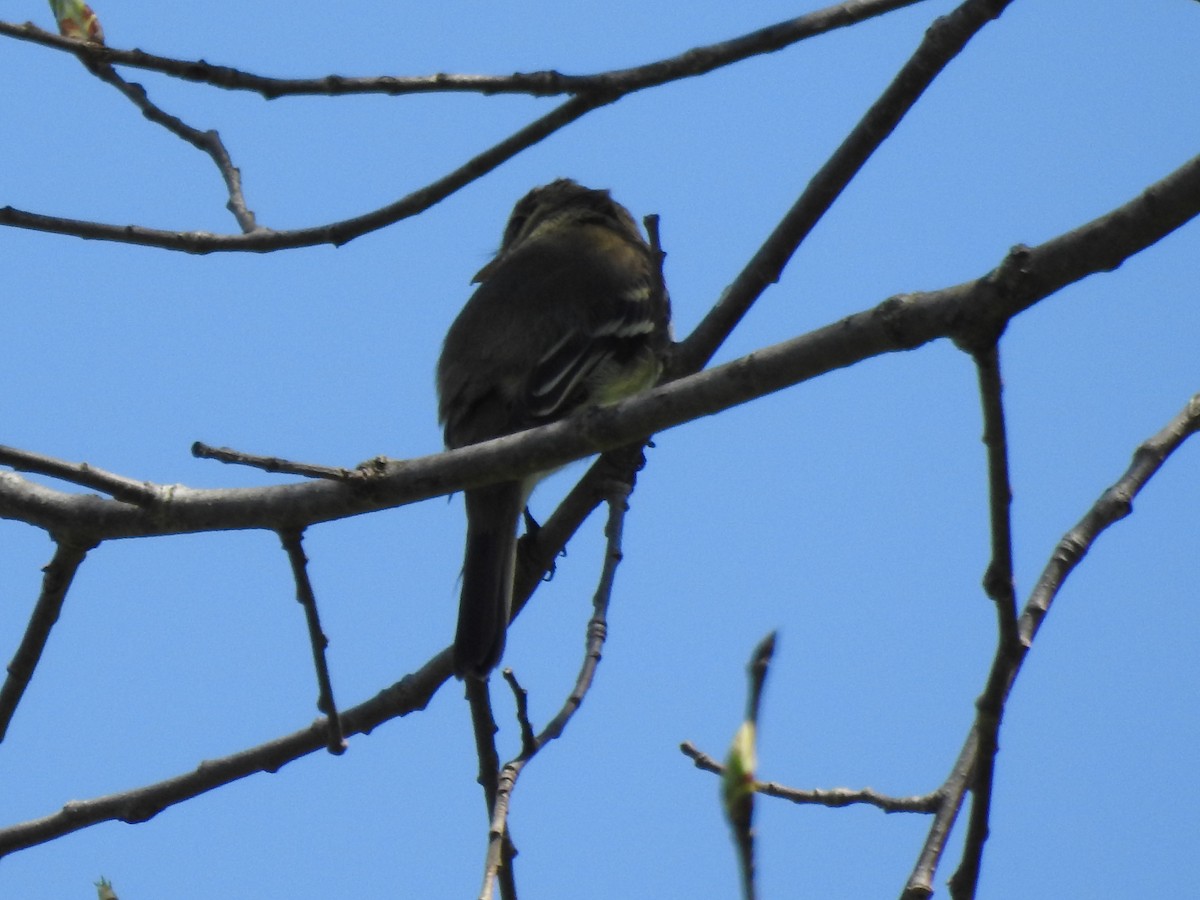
[{"x": 848, "y": 512}]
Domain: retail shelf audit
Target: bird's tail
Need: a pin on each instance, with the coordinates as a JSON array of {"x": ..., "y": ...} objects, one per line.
[{"x": 487, "y": 578}]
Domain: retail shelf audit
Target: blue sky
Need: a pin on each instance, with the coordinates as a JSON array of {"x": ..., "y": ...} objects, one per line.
[{"x": 848, "y": 513}]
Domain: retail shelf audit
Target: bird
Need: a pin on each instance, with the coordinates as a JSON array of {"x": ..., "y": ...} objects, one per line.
[{"x": 570, "y": 313}]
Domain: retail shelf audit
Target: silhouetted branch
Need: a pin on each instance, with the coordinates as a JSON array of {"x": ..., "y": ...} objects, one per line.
[
  {"x": 944, "y": 40},
  {"x": 998, "y": 583},
  {"x": 59, "y": 573},
  {"x": 292, "y": 544},
  {"x": 1112, "y": 506},
  {"x": 409, "y": 694},
  {"x": 1026, "y": 276},
  {"x": 335, "y": 233},
  {"x": 617, "y": 495},
  {"x": 694, "y": 62}
]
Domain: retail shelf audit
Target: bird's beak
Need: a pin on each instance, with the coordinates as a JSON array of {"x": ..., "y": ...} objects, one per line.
[{"x": 486, "y": 272}]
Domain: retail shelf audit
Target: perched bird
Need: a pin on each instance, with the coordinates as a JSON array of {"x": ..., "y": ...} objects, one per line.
[{"x": 570, "y": 313}]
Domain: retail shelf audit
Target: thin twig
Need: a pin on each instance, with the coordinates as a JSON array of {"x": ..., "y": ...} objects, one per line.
[
  {"x": 694, "y": 62},
  {"x": 521, "y": 699},
  {"x": 119, "y": 487},
  {"x": 831, "y": 797},
  {"x": 483, "y": 724},
  {"x": 998, "y": 583},
  {"x": 1112, "y": 506},
  {"x": 618, "y": 494},
  {"x": 207, "y": 141},
  {"x": 59, "y": 573},
  {"x": 292, "y": 544},
  {"x": 271, "y": 463}
]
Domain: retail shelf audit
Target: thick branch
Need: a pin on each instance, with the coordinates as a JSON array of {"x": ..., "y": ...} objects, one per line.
[{"x": 1024, "y": 278}]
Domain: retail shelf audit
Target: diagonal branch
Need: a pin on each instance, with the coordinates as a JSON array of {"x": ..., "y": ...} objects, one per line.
[
  {"x": 944, "y": 40},
  {"x": 1112, "y": 506},
  {"x": 336, "y": 233},
  {"x": 68, "y": 555},
  {"x": 127, "y": 490},
  {"x": 409, "y": 694},
  {"x": 207, "y": 141}
]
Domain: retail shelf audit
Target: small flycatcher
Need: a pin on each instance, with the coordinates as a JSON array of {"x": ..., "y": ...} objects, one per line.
[{"x": 572, "y": 312}]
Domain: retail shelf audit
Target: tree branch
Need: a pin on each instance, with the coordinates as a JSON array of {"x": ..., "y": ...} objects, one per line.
[
  {"x": 589, "y": 93},
  {"x": 411, "y": 693},
  {"x": 293, "y": 546},
  {"x": 59, "y": 573},
  {"x": 833, "y": 798},
  {"x": 1027, "y": 276},
  {"x": 998, "y": 583},
  {"x": 1112, "y": 506},
  {"x": 944, "y": 40},
  {"x": 618, "y": 494},
  {"x": 692, "y": 63},
  {"x": 207, "y": 141}
]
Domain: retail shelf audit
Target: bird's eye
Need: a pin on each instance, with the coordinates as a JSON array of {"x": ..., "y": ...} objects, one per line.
[{"x": 515, "y": 226}]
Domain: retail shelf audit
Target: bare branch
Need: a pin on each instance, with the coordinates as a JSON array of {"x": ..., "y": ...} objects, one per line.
[
  {"x": 694, "y": 62},
  {"x": 1112, "y": 506},
  {"x": 998, "y": 583},
  {"x": 207, "y": 141},
  {"x": 59, "y": 574},
  {"x": 944, "y": 40},
  {"x": 127, "y": 490},
  {"x": 835, "y": 797},
  {"x": 1026, "y": 276},
  {"x": 951, "y": 794},
  {"x": 335, "y": 233},
  {"x": 411, "y": 693},
  {"x": 618, "y": 494},
  {"x": 270, "y": 463},
  {"x": 292, "y": 544}
]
